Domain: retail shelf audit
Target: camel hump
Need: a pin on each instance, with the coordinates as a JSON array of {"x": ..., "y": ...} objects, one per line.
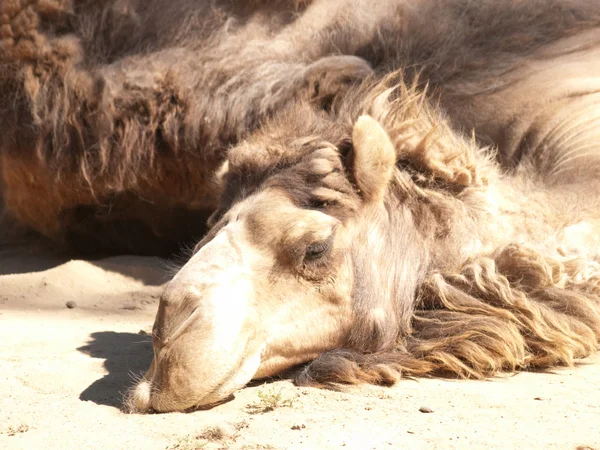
[
  {"x": 545, "y": 112},
  {"x": 562, "y": 143}
]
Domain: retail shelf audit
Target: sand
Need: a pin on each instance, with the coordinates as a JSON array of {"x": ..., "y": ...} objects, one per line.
[{"x": 63, "y": 371}]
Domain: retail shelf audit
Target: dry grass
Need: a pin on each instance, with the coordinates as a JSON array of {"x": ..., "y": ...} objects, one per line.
[
  {"x": 14, "y": 430},
  {"x": 269, "y": 399}
]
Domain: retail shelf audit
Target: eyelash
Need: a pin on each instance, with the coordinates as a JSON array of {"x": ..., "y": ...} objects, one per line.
[
  {"x": 315, "y": 203},
  {"x": 317, "y": 250}
]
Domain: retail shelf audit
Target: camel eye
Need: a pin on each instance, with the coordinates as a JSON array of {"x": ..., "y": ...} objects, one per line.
[
  {"x": 317, "y": 250},
  {"x": 315, "y": 203}
]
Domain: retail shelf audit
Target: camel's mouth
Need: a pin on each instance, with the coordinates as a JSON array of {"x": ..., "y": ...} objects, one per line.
[
  {"x": 154, "y": 394},
  {"x": 138, "y": 401}
]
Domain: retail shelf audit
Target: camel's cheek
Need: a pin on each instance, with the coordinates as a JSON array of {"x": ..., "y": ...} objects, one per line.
[{"x": 306, "y": 323}]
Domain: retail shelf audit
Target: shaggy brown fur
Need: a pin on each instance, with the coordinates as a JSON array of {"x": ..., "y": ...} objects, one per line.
[
  {"x": 476, "y": 271},
  {"x": 116, "y": 113},
  {"x": 119, "y": 112}
]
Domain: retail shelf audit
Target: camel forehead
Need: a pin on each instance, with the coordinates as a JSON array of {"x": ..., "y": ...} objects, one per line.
[
  {"x": 285, "y": 193},
  {"x": 273, "y": 217},
  {"x": 256, "y": 166}
]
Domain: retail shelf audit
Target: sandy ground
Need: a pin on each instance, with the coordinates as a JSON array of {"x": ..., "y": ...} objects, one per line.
[{"x": 63, "y": 371}]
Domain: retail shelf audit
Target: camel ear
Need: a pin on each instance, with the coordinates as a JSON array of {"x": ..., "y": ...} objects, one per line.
[{"x": 374, "y": 159}]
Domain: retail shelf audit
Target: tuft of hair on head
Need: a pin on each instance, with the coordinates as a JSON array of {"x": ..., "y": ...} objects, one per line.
[{"x": 420, "y": 133}]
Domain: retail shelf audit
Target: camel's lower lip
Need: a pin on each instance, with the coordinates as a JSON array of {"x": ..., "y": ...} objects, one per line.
[{"x": 207, "y": 406}]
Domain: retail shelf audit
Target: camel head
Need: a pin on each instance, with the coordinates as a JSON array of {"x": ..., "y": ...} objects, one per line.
[
  {"x": 315, "y": 254},
  {"x": 299, "y": 262}
]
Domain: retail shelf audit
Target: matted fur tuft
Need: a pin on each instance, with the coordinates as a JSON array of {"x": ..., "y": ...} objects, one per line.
[
  {"x": 539, "y": 319},
  {"x": 420, "y": 132},
  {"x": 484, "y": 320}
]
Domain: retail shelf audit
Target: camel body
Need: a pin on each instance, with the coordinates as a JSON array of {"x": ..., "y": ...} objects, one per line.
[{"x": 118, "y": 114}]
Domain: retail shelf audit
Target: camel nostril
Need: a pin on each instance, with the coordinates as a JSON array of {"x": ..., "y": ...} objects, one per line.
[
  {"x": 169, "y": 327},
  {"x": 157, "y": 341},
  {"x": 177, "y": 305}
]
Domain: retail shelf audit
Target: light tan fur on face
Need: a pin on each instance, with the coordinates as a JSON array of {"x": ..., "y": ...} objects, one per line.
[{"x": 241, "y": 308}]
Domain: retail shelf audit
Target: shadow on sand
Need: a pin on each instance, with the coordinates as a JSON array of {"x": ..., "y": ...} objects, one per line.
[
  {"x": 23, "y": 259},
  {"x": 126, "y": 355},
  {"x": 24, "y": 252}
]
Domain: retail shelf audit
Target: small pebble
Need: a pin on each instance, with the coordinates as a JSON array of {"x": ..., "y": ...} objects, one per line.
[
  {"x": 425, "y": 409},
  {"x": 70, "y": 304},
  {"x": 538, "y": 398}
]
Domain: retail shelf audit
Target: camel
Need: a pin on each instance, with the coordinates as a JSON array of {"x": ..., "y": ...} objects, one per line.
[
  {"x": 378, "y": 240},
  {"x": 404, "y": 232},
  {"x": 412, "y": 187},
  {"x": 374, "y": 243}
]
